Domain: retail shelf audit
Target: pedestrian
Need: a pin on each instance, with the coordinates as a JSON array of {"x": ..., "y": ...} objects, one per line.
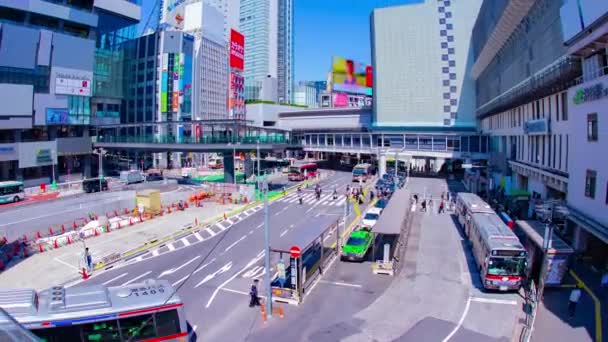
[
  {"x": 88, "y": 259},
  {"x": 575, "y": 296},
  {"x": 371, "y": 195},
  {"x": 423, "y": 205},
  {"x": 416, "y": 198},
  {"x": 441, "y": 207},
  {"x": 253, "y": 293}
]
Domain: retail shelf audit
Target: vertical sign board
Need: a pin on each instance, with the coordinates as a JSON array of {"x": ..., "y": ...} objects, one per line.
[
  {"x": 237, "y": 50},
  {"x": 281, "y": 272},
  {"x": 175, "y": 72},
  {"x": 163, "y": 83},
  {"x": 293, "y": 264}
]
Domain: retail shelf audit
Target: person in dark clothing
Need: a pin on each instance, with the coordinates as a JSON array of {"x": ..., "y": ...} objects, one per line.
[
  {"x": 416, "y": 198},
  {"x": 253, "y": 293},
  {"x": 441, "y": 207},
  {"x": 423, "y": 205}
]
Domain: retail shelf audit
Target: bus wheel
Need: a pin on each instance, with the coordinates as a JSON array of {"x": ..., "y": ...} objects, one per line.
[{"x": 16, "y": 199}]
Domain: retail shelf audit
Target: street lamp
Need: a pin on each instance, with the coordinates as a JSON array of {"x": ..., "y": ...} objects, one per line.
[
  {"x": 100, "y": 152},
  {"x": 267, "y": 251}
]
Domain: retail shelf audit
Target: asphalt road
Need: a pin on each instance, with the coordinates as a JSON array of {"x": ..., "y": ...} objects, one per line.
[
  {"x": 213, "y": 274},
  {"x": 32, "y": 217}
]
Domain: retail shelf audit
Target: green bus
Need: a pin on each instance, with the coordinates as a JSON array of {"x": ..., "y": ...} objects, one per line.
[{"x": 11, "y": 191}]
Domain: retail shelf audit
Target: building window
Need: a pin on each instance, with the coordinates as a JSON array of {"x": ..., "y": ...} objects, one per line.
[
  {"x": 592, "y": 127},
  {"x": 590, "y": 180},
  {"x": 564, "y": 106}
]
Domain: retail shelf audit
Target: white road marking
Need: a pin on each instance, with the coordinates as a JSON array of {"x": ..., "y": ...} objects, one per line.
[
  {"x": 136, "y": 278},
  {"x": 464, "y": 314},
  {"x": 113, "y": 279},
  {"x": 155, "y": 252},
  {"x": 139, "y": 258},
  {"x": 223, "y": 269},
  {"x": 211, "y": 232},
  {"x": 284, "y": 232},
  {"x": 170, "y": 246},
  {"x": 175, "y": 269},
  {"x": 220, "y": 225},
  {"x": 235, "y": 243},
  {"x": 250, "y": 232},
  {"x": 202, "y": 267},
  {"x": 309, "y": 209},
  {"x": 240, "y": 292},
  {"x": 341, "y": 284},
  {"x": 198, "y": 236},
  {"x": 341, "y": 202},
  {"x": 251, "y": 263},
  {"x": 252, "y": 272},
  {"x": 185, "y": 241},
  {"x": 67, "y": 264},
  {"x": 260, "y": 226},
  {"x": 493, "y": 301},
  {"x": 179, "y": 281},
  {"x": 229, "y": 221},
  {"x": 292, "y": 225}
]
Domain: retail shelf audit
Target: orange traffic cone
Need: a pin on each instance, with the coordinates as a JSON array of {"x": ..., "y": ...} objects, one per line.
[
  {"x": 130, "y": 221},
  {"x": 40, "y": 248},
  {"x": 95, "y": 231},
  {"x": 225, "y": 217},
  {"x": 118, "y": 224},
  {"x": 85, "y": 276},
  {"x": 56, "y": 245},
  {"x": 69, "y": 240},
  {"x": 74, "y": 225},
  {"x": 38, "y": 235},
  {"x": 62, "y": 229},
  {"x": 51, "y": 231}
]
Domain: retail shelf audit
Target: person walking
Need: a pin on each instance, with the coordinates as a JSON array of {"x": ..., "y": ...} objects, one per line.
[
  {"x": 575, "y": 296},
  {"x": 253, "y": 293},
  {"x": 416, "y": 198},
  {"x": 423, "y": 205},
  {"x": 88, "y": 259},
  {"x": 441, "y": 207},
  {"x": 371, "y": 195}
]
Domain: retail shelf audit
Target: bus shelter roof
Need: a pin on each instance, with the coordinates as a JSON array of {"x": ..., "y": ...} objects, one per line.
[
  {"x": 392, "y": 217},
  {"x": 535, "y": 230},
  {"x": 303, "y": 237}
]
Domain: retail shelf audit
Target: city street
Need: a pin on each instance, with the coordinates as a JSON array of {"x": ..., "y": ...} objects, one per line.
[{"x": 213, "y": 276}]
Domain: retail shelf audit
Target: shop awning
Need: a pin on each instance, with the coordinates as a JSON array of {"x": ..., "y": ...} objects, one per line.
[
  {"x": 393, "y": 216},
  {"x": 597, "y": 229}
]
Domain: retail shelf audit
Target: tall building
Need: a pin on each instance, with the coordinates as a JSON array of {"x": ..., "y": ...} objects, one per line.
[
  {"x": 268, "y": 29},
  {"x": 230, "y": 10},
  {"x": 54, "y": 57},
  {"x": 585, "y": 28},
  {"x": 306, "y": 94},
  {"x": 522, "y": 75},
  {"x": 421, "y": 76}
]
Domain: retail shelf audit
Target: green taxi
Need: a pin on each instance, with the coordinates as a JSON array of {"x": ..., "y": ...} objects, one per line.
[{"x": 357, "y": 245}]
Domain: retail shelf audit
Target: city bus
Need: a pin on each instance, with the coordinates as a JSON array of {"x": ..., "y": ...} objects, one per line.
[
  {"x": 500, "y": 256},
  {"x": 302, "y": 172},
  {"x": 362, "y": 172},
  {"x": 147, "y": 311},
  {"x": 468, "y": 204},
  {"x": 11, "y": 191}
]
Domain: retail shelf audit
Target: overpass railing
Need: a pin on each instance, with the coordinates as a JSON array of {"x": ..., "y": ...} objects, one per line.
[{"x": 168, "y": 139}]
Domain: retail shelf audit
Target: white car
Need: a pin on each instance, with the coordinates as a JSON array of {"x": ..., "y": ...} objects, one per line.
[{"x": 371, "y": 217}]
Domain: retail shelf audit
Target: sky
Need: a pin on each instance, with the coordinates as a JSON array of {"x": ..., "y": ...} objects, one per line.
[{"x": 322, "y": 29}]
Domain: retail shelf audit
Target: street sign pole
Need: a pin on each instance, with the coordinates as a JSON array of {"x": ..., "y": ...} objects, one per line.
[{"x": 267, "y": 252}]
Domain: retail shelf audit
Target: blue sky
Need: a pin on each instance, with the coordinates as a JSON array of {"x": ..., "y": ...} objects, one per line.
[{"x": 323, "y": 28}]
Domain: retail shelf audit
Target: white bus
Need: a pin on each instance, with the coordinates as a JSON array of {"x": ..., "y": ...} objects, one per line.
[
  {"x": 147, "y": 311},
  {"x": 500, "y": 256},
  {"x": 11, "y": 191},
  {"x": 362, "y": 172},
  {"x": 468, "y": 204}
]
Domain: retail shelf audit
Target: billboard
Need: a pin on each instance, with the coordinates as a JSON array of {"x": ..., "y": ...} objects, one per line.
[
  {"x": 351, "y": 77},
  {"x": 344, "y": 100},
  {"x": 173, "y": 13},
  {"x": 71, "y": 81},
  {"x": 37, "y": 154},
  {"x": 237, "y": 50},
  {"x": 236, "y": 97}
]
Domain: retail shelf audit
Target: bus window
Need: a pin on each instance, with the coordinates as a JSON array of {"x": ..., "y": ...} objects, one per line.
[
  {"x": 167, "y": 323},
  {"x": 101, "y": 331},
  {"x": 138, "y": 327},
  {"x": 506, "y": 266},
  {"x": 70, "y": 333}
]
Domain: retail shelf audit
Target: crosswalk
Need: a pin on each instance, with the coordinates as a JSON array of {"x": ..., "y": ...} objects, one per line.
[{"x": 311, "y": 198}]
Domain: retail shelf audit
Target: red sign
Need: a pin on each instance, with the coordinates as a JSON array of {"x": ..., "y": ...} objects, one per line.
[
  {"x": 237, "y": 50},
  {"x": 295, "y": 251}
]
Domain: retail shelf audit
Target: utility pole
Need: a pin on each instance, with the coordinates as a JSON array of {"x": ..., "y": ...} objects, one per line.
[{"x": 267, "y": 252}]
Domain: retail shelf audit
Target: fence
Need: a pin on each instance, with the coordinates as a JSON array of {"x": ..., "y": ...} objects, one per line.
[{"x": 531, "y": 306}]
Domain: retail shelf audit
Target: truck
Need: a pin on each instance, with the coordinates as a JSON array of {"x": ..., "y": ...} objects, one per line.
[{"x": 131, "y": 177}]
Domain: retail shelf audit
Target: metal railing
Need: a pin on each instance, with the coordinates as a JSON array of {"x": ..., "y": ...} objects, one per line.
[
  {"x": 591, "y": 76},
  {"x": 167, "y": 139},
  {"x": 531, "y": 293}
]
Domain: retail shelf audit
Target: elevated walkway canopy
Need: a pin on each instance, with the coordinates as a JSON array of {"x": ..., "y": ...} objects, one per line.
[{"x": 393, "y": 216}]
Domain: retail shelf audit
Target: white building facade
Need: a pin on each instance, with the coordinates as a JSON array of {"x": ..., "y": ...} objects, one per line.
[{"x": 306, "y": 95}]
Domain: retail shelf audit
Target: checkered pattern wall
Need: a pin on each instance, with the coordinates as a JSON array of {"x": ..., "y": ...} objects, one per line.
[{"x": 448, "y": 61}]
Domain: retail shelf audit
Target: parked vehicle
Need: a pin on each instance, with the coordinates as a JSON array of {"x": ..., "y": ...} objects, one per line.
[
  {"x": 153, "y": 177},
  {"x": 302, "y": 172},
  {"x": 11, "y": 191},
  {"x": 371, "y": 217},
  {"x": 131, "y": 177},
  {"x": 93, "y": 185},
  {"x": 362, "y": 172},
  {"x": 357, "y": 245}
]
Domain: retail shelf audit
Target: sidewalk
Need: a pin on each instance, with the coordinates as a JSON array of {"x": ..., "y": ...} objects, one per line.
[
  {"x": 61, "y": 265},
  {"x": 552, "y": 322}
]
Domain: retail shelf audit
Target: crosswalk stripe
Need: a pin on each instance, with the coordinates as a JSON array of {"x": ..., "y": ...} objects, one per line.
[
  {"x": 170, "y": 246},
  {"x": 220, "y": 226},
  {"x": 211, "y": 232},
  {"x": 185, "y": 241},
  {"x": 155, "y": 252},
  {"x": 198, "y": 236}
]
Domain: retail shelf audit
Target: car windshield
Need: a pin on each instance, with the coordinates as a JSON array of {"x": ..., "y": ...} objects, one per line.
[
  {"x": 355, "y": 241},
  {"x": 371, "y": 216},
  {"x": 506, "y": 266},
  {"x": 358, "y": 172}
]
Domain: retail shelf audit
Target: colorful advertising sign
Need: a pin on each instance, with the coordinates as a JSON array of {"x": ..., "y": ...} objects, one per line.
[
  {"x": 173, "y": 13},
  {"x": 342, "y": 100},
  {"x": 351, "y": 77},
  {"x": 237, "y": 50},
  {"x": 163, "y": 82},
  {"x": 236, "y": 98}
]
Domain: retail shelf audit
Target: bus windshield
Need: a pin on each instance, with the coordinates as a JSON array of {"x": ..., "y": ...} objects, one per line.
[
  {"x": 506, "y": 266},
  {"x": 359, "y": 172},
  {"x": 294, "y": 169}
]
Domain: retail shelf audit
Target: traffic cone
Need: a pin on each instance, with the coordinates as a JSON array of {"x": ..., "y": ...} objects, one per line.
[
  {"x": 108, "y": 228},
  {"x": 56, "y": 245},
  {"x": 38, "y": 235},
  {"x": 85, "y": 276},
  {"x": 69, "y": 240},
  {"x": 125, "y": 211},
  {"x": 95, "y": 231},
  {"x": 196, "y": 221},
  {"x": 40, "y": 248},
  {"x": 118, "y": 224},
  {"x": 75, "y": 225},
  {"x": 51, "y": 231},
  {"x": 62, "y": 229},
  {"x": 141, "y": 218},
  {"x": 225, "y": 217},
  {"x": 115, "y": 212}
]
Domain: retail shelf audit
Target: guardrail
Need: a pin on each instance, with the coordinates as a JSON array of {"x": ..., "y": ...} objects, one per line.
[
  {"x": 531, "y": 308},
  {"x": 165, "y": 139}
]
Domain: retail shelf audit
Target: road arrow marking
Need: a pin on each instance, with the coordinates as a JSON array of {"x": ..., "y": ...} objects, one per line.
[
  {"x": 251, "y": 263},
  {"x": 223, "y": 269},
  {"x": 202, "y": 267},
  {"x": 173, "y": 270}
]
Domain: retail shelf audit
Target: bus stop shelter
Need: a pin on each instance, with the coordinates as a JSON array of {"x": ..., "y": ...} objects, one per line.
[
  {"x": 388, "y": 232},
  {"x": 531, "y": 233},
  {"x": 319, "y": 244}
]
